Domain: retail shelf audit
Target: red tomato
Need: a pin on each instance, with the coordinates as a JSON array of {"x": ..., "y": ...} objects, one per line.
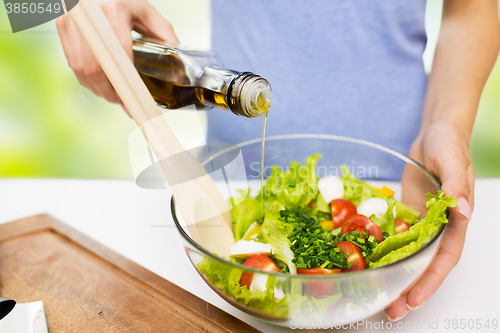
[
  {"x": 332, "y": 310},
  {"x": 401, "y": 226},
  {"x": 353, "y": 256},
  {"x": 341, "y": 210},
  {"x": 360, "y": 222},
  {"x": 318, "y": 271},
  {"x": 320, "y": 288},
  {"x": 258, "y": 261}
]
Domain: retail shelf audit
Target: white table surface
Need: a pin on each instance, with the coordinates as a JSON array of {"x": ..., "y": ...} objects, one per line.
[{"x": 125, "y": 218}]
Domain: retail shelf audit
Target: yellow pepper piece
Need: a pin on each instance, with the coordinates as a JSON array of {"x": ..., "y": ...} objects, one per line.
[
  {"x": 326, "y": 224},
  {"x": 384, "y": 190}
]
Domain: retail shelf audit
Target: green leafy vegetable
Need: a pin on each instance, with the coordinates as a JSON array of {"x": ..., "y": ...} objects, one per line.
[
  {"x": 227, "y": 278},
  {"x": 407, "y": 214},
  {"x": 244, "y": 213},
  {"x": 365, "y": 243},
  {"x": 355, "y": 190},
  {"x": 393, "y": 243},
  {"x": 275, "y": 233},
  {"x": 322, "y": 205},
  {"x": 293, "y": 188},
  {"x": 292, "y": 305},
  {"x": 404, "y": 244},
  {"x": 386, "y": 222}
]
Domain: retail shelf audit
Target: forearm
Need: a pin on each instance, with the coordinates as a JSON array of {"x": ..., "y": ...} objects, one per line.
[{"x": 466, "y": 51}]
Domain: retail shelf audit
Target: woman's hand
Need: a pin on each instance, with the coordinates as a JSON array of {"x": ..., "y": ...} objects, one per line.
[
  {"x": 444, "y": 150},
  {"x": 466, "y": 51},
  {"x": 123, "y": 16}
]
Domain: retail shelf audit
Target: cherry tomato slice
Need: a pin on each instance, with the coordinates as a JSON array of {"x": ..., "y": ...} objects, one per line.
[
  {"x": 321, "y": 288},
  {"x": 354, "y": 256},
  {"x": 258, "y": 261},
  {"x": 318, "y": 271},
  {"x": 401, "y": 226},
  {"x": 341, "y": 210},
  {"x": 333, "y": 310},
  {"x": 360, "y": 222}
]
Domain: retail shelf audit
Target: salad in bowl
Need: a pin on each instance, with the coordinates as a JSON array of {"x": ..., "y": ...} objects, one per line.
[{"x": 315, "y": 248}]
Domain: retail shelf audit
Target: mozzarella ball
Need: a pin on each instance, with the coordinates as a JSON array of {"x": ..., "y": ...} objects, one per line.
[
  {"x": 331, "y": 188},
  {"x": 373, "y": 206}
]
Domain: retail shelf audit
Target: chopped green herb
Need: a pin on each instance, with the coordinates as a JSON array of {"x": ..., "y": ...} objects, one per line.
[
  {"x": 365, "y": 245},
  {"x": 312, "y": 245}
]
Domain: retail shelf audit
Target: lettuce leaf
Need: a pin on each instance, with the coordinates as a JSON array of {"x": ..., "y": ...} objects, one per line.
[
  {"x": 355, "y": 190},
  {"x": 404, "y": 244},
  {"x": 396, "y": 255},
  {"x": 245, "y": 212},
  {"x": 322, "y": 205},
  {"x": 386, "y": 222},
  {"x": 226, "y": 278},
  {"x": 436, "y": 208},
  {"x": 393, "y": 243},
  {"x": 293, "y": 188},
  {"x": 275, "y": 232}
]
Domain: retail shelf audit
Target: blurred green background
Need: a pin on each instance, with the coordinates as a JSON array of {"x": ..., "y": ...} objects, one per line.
[{"x": 51, "y": 127}]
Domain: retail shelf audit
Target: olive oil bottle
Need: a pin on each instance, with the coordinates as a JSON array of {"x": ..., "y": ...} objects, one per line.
[{"x": 178, "y": 78}]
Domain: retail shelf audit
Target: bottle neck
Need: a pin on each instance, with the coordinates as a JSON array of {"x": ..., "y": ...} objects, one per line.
[{"x": 249, "y": 95}]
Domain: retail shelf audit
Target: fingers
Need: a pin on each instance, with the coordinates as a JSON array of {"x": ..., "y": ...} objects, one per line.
[
  {"x": 83, "y": 62},
  {"x": 149, "y": 22},
  {"x": 120, "y": 19},
  {"x": 446, "y": 259},
  {"x": 95, "y": 75},
  {"x": 398, "y": 309},
  {"x": 80, "y": 57},
  {"x": 453, "y": 169},
  {"x": 446, "y": 154},
  {"x": 72, "y": 43}
]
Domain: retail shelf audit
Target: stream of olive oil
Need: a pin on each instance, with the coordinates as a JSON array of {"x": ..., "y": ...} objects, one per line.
[{"x": 264, "y": 120}]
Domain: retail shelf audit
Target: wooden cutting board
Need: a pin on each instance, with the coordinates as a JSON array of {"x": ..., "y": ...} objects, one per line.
[{"x": 86, "y": 287}]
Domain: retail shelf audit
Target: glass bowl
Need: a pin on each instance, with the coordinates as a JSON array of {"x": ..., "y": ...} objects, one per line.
[{"x": 346, "y": 297}]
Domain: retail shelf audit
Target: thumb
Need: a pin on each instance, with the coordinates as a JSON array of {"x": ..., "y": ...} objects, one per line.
[
  {"x": 454, "y": 168},
  {"x": 149, "y": 22}
]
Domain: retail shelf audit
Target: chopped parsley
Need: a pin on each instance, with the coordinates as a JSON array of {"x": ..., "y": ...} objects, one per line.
[{"x": 312, "y": 245}]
